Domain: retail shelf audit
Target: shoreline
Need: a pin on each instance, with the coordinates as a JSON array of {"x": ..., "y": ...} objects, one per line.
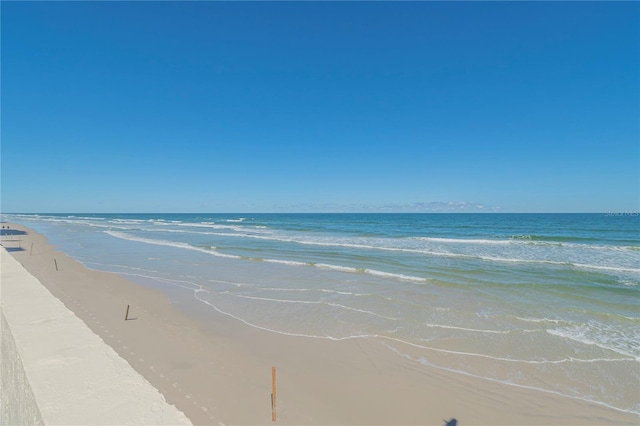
[{"x": 218, "y": 370}]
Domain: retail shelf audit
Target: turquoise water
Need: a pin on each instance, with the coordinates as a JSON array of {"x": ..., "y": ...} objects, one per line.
[{"x": 544, "y": 301}]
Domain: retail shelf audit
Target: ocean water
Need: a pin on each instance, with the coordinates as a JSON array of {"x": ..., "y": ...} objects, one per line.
[{"x": 543, "y": 301}]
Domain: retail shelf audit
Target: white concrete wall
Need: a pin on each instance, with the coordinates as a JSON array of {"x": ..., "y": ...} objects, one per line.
[
  {"x": 75, "y": 377},
  {"x": 17, "y": 403}
]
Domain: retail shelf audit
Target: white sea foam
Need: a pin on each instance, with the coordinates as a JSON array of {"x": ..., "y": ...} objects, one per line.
[
  {"x": 475, "y": 330},
  {"x": 129, "y": 221},
  {"x": 540, "y": 320},
  {"x": 463, "y": 247},
  {"x": 336, "y": 267},
  {"x": 111, "y": 226},
  {"x": 187, "y": 285},
  {"x": 129, "y": 237},
  {"x": 384, "y": 245},
  {"x": 557, "y": 263},
  {"x": 394, "y": 339},
  {"x": 242, "y": 219},
  {"x": 312, "y": 290},
  {"x": 217, "y": 309},
  {"x": 161, "y": 223},
  {"x": 368, "y": 271},
  {"x": 424, "y": 361},
  {"x": 286, "y": 262},
  {"x": 277, "y": 261},
  {"x": 396, "y": 276},
  {"x": 606, "y": 268},
  {"x": 463, "y": 240},
  {"x": 415, "y": 345},
  {"x": 509, "y": 360},
  {"x": 602, "y": 336},
  {"x": 214, "y": 226},
  {"x": 315, "y": 302}
]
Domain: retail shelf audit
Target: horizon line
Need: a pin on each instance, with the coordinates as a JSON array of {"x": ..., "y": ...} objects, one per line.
[{"x": 606, "y": 212}]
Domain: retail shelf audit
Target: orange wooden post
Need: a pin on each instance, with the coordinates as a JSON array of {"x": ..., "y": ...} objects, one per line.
[{"x": 273, "y": 394}]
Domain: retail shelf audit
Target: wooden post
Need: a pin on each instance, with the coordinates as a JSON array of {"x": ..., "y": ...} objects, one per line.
[
  {"x": 31, "y": 250},
  {"x": 273, "y": 394},
  {"x": 126, "y": 316},
  {"x": 56, "y": 263}
]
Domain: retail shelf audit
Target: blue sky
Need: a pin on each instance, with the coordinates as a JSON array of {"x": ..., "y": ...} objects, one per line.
[{"x": 309, "y": 106}]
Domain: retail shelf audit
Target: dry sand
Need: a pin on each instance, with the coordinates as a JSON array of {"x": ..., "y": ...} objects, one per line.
[
  {"x": 218, "y": 370},
  {"x": 63, "y": 373}
]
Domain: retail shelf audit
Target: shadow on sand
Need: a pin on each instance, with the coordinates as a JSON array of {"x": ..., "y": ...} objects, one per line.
[
  {"x": 12, "y": 249},
  {"x": 7, "y": 231}
]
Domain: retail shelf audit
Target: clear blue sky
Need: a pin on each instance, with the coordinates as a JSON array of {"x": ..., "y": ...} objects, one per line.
[{"x": 308, "y": 106}]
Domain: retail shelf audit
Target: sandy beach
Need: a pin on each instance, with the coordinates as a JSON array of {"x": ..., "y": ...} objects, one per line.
[{"x": 218, "y": 370}]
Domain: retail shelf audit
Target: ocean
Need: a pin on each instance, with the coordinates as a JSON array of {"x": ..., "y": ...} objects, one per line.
[{"x": 543, "y": 301}]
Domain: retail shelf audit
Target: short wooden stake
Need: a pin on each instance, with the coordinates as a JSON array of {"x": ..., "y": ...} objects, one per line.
[
  {"x": 31, "y": 250},
  {"x": 56, "y": 263},
  {"x": 273, "y": 394},
  {"x": 126, "y": 316}
]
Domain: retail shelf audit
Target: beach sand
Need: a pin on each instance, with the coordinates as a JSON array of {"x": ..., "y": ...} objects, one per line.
[{"x": 218, "y": 371}]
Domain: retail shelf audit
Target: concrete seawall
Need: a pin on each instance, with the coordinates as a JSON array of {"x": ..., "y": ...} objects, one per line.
[
  {"x": 55, "y": 370},
  {"x": 18, "y": 405}
]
